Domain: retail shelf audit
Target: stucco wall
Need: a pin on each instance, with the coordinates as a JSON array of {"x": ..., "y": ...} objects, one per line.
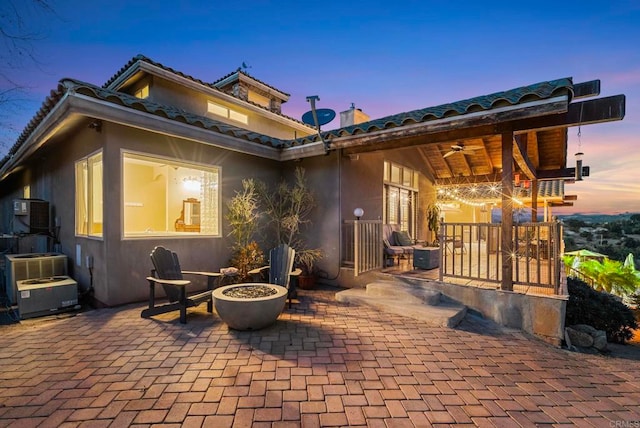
[
  {"x": 168, "y": 93},
  {"x": 542, "y": 316}
]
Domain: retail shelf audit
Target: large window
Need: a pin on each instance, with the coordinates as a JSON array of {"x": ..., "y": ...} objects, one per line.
[
  {"x": 165, "y": 197},
  {"x": 400, "y": 196},
  {"x": 89, "y": 196}
]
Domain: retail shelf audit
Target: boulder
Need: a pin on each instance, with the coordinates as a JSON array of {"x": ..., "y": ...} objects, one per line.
[
  {"x": 579, "y": 338},
  {"x": 600, "y": 340},
  {"x": 586, "y": 336}
]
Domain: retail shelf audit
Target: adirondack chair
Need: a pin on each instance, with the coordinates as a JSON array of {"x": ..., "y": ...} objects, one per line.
[
  {"x": 280, "y": 269},
  {"x": 166, "y": 272}
]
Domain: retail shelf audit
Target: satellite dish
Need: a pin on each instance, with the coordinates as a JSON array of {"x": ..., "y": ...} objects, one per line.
[{"x": 325, "y": 115}]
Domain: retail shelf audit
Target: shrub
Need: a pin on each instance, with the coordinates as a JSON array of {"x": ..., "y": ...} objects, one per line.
[{"x": 602, "y": 311}]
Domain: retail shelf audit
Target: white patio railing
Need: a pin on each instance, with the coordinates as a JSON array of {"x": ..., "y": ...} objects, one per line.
[{"x": 362, "y": 245}]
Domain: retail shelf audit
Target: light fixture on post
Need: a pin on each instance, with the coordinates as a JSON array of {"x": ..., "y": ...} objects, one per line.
[{"x": 358, "y": 212}]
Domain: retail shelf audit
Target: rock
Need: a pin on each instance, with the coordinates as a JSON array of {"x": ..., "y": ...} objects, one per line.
[
  {"x": 600, "y": 340},
  {"x": 579, "y": 338},
  {"x": 585, "y": 329}
]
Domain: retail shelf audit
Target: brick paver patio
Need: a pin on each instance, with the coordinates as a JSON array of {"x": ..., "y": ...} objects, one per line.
[{"x": 321, "y": 364}]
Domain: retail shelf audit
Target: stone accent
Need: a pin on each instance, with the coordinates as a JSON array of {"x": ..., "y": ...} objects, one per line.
[{"x": 584, "y": 336}]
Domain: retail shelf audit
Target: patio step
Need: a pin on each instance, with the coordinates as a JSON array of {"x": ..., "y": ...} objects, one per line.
[{"x": 413, "y": 301}]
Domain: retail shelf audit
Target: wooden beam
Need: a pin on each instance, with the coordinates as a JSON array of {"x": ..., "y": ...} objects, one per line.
[
  {"x": 586, "y": 89},
  {"x": 475, "y": 179},
  {"x": 487, "y": 158},
  {"x": 521, "y": 157},
  {"x": 506, "y": 282},
  {"x": 563, "y": 173},
  {"x": 600, "y": 110},
  {"x": 570, "y": 197},
  {"x": 429, "y": 172}
]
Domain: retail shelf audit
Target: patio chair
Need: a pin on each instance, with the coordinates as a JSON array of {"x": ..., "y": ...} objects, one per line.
[
  {"x": 166, "y": 272},
  {"x": 280, "y": 270}
]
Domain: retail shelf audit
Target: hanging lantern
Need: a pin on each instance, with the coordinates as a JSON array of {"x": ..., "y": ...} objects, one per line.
[
  {"x": 579, "y": 166},
  {"x": 527, "y": 184},
  {"x": 516, "y": 180}
]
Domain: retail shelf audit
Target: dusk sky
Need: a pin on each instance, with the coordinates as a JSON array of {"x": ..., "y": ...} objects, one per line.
[{"x": 386, "y": 57}]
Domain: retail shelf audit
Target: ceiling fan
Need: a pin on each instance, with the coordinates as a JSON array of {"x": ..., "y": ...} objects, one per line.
[{"x": 460, "y": 148}]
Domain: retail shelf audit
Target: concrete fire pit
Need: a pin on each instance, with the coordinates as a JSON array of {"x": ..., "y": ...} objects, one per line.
[{"x": 249, "y": 306}]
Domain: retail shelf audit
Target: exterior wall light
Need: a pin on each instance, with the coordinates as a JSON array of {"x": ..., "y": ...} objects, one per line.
[{"x": 358, "y": 212}]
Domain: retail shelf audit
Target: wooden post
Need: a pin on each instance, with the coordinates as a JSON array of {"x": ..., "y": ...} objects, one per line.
[
  {"x": 534, "y": 201},
  {"x": 507, "y": 211}
]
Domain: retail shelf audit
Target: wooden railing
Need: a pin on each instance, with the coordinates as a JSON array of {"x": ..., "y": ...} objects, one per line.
[
  {"x": 474, "y": 251},
  {"x": 362, "y": 245}
]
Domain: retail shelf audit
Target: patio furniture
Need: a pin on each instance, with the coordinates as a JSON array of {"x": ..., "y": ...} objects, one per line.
[
  {"x": 453, "y": 243},
  {"x": 280, "y": 270},
  {"x": 397, "y": 243},
  {"x": 426, "y": 258},
  {"x": 166, "y": 272}
]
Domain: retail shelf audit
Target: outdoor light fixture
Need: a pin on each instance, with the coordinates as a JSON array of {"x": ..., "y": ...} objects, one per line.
[
  {"x": 579, "y": 166},
  {"x": 358, "y": 212}
]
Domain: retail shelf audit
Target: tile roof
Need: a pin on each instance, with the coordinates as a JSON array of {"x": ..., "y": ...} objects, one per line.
[
  {"x": 69, "y": 86},
  {"x": 535, "y": 92},
  {"x": 142, "y": 58},
  {"x": 538, "y": 91},
  {"x": 239, "y": 71}
]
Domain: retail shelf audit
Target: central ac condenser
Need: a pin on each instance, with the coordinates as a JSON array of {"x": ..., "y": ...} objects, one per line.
[{"x": 46, "y": 296}]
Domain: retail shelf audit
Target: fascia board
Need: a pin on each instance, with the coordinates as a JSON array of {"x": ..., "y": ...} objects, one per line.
[
  {"x": 43, "y": 132},
  {"x": 110, "y": 112}
]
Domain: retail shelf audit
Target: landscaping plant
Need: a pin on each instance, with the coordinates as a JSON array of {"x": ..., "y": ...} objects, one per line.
[
  {"x": 600, "y": 310},
  {"x": 242, "y": 215}
]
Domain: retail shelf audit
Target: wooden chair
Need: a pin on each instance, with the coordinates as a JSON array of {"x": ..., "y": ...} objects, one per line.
[
  {"x": 280, "y": 269},
  {"x": 166, "y": 272}
]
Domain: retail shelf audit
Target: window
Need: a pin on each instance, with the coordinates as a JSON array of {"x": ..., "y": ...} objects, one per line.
[
  {"x": 166, "y": 197},
  {"x": 142, "y": 92},
  {"x": 89, "y": 196},
  {"x": 400, "y": 196},
  {"x": 226, "y": 112}
]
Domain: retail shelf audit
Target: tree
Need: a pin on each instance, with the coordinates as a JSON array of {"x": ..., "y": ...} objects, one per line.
[
  {"x": 243, "y": 216},
  {"x": 611, "y": 276},
  {"x": 288, "y": 209},
  {"x": 20, "y": 30}
]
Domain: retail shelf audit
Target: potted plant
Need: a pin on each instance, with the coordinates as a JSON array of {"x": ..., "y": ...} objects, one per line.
[
  {"x": 288, "y": 209},
  {"x": 242, "y": 215},
  {"x": 306, "y": 260},
  {"x": 433, "y": 222}
]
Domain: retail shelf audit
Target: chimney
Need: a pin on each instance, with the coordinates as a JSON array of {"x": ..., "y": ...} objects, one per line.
[{"x": 353, "y": 116}]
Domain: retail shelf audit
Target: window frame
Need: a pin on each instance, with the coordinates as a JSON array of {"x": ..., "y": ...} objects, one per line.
[
  {"x": 394, "y": 187},
  {"x": 89, "y": 199},
  {"x": 173, "y": 162}
]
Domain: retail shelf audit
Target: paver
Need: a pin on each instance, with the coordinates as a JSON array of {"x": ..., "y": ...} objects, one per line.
[{"x": 322, "y": 364}]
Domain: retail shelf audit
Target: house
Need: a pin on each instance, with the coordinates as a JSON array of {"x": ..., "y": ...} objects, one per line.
[{"x": 152, "y": 156}]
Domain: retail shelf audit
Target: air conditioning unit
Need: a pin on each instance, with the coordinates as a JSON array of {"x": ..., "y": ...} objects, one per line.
[
  {"x": 30, "y": 216},
  {"x": 46, "y": 296},
  {"x": 19, "y": 267}
]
